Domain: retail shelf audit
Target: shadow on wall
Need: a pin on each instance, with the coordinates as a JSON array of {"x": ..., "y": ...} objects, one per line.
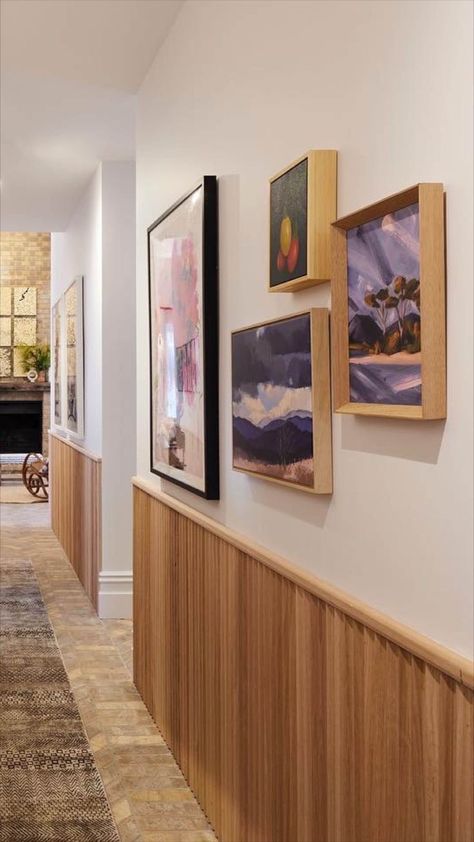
[
  {"x": 418, "y": 442},
  {"x": 310, "y": 508}
]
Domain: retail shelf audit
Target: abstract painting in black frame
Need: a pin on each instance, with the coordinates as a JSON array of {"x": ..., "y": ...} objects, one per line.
[{"x": 183, "y": 311}]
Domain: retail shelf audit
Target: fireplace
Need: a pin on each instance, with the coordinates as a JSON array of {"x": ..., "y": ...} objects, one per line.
[
  {"x": 24, "y": 416},
  {"x": 21, "y": 426}
]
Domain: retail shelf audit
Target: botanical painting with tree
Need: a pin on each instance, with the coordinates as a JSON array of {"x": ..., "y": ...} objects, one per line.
[{"x": 384, "y": 309}]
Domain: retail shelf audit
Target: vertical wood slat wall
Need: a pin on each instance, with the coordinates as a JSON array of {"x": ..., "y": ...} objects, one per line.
[
  {"x": 75, "y": 493},
  {"x": 291, "y": 721}
]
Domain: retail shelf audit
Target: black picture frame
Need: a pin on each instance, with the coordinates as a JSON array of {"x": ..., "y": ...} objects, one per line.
[{"x": 209, "y": 319}]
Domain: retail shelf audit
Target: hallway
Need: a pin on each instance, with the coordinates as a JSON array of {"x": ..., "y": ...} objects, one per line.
[
  {"x": 236, "y": 382},
  {"x": 148, "y": 796}
]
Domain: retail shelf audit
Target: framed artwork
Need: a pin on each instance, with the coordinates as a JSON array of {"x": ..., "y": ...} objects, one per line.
[
  {"x": 58, "y": 360},
  {"x": 302, "y": 207},
  {"x": 183, "y": 308},
  {"x": 388, "y": 316},
  {"x": 18, "y": 326},
  {"x": 5, "y": 300},
  {"x": 281, "y": 406},
  {"x": 74, "y": 351},
  {"x": 24, "y": 301}
]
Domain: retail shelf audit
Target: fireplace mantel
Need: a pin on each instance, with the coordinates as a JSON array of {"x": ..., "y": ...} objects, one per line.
[{"x": 23, "y": 386}]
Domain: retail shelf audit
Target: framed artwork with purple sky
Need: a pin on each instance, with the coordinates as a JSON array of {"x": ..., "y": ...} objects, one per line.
[
  {"x": 388, "y": 314},
  {"x": 183, "y": 278},
  {"x": 281, "y": 419}
]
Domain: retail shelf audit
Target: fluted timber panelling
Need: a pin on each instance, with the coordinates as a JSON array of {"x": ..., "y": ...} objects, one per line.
[
  {"x": 292, "y": 721},
  {"x": 75, "y": 492}
]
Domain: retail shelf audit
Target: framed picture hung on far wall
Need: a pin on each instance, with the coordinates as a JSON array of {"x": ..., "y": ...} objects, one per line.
[
  {"x": 281, "y": 406},
  {"x": 58, "y": 361},
  {"x": 73, "y": 332},
  {"x": 388, "y": 307},
  {"x": 183, "y": 309},
  {"x": 302, "y": 207}
]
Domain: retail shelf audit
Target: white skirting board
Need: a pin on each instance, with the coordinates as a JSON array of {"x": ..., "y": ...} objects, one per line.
[{"x": 115, "y": 594}]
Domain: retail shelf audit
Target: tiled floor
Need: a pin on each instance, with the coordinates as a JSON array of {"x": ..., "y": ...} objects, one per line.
[{"x": 148, "y": 795}]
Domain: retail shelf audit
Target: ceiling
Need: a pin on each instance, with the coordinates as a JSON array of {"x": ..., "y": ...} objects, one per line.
[{"x": 70, "y": 70}]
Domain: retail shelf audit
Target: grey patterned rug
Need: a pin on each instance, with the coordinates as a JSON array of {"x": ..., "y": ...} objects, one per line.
[{"x": 50, "y": 789}]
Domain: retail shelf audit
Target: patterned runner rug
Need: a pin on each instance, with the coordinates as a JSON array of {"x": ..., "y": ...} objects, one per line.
[{"x": 50, "y": 789}]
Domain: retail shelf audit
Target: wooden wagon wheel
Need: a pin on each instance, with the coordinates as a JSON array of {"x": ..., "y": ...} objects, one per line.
[{"x": 35, "y": 475}]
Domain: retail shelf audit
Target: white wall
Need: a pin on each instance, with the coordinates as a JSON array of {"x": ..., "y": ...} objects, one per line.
[
  {"x": 240, "y": 89},
  {"x": 78, "y": 251},
  {"x": 99, "y": 244},
  {"x": 118, "y": 384}
]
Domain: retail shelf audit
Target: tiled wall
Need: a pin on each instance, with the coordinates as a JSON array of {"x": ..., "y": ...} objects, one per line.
[{"x": 25, "y": 261}]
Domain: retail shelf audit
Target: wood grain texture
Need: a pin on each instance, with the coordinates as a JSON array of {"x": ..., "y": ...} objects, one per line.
[
  {"x": 76, "y": 496},
  {"x": 433, "y": 300},
  {"x": 292, "y": 721},
  {"x": 339, "y": 320},
  {"x": 454, "y": 665}
]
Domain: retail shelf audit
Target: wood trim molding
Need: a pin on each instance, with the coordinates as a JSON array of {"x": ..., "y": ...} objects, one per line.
[
  {"x": 75, "y": 482},
  {"x": 290, "y": 719},
  {"x": 440, "y": 657},
  {"x": 71, "y": 443}
]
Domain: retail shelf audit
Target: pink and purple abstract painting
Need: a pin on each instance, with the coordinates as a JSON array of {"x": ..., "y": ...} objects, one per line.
[
  {"x": 177, "y": 385},
  {"x": 182, "y": 254},
  {"x": 383, "y": 270},
  {"x": 272, "y": 414}
]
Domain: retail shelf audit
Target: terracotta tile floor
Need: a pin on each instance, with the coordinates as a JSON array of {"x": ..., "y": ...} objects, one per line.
[{"x": 148, "y": 795}]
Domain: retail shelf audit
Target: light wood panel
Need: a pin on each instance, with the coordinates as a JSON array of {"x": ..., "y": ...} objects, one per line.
[
  {"x": 76, "y": 495},
  {"x": 292, "y": 721},
  {"x": 438, "y": 656}
]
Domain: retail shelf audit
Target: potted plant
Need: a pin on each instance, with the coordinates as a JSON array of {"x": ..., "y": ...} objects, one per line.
[{"x": 37, "y": 357}]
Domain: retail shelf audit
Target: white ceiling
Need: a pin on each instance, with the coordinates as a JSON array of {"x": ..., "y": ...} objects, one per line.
[{"x": 69, "y": 73}]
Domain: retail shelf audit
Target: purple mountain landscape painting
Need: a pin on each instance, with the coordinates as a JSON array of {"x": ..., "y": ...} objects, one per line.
[
  {"x": 383, "y": 270},
  {"x": 272, "y": 415}
]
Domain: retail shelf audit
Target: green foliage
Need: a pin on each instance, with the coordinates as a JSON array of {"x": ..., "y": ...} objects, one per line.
[{"x": 35, "y": 356}]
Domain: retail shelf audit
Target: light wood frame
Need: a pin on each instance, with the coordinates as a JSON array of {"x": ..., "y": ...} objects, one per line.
[
  {"x": 430, "y": 198},
  {"x": 321, "y": 210},
  {"x": 321, "y": 401}
]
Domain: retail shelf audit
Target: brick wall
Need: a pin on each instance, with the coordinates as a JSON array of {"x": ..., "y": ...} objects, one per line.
[{"x": 25, "y": 260}]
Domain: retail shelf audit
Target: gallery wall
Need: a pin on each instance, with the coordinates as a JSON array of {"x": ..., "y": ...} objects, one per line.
[{"x": 239, "y": 90}]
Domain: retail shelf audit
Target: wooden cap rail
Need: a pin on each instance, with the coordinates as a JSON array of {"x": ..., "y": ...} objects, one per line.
[
  {"x": 440, "y": 657},
  {"x": 75, "y": 446}
]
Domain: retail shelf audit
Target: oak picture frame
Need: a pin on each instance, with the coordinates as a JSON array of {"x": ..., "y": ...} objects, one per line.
[
  {"x": 432, "y": 291},
  {"x": 320, "y": 402},
  {"x": 321, "y": 209}
]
